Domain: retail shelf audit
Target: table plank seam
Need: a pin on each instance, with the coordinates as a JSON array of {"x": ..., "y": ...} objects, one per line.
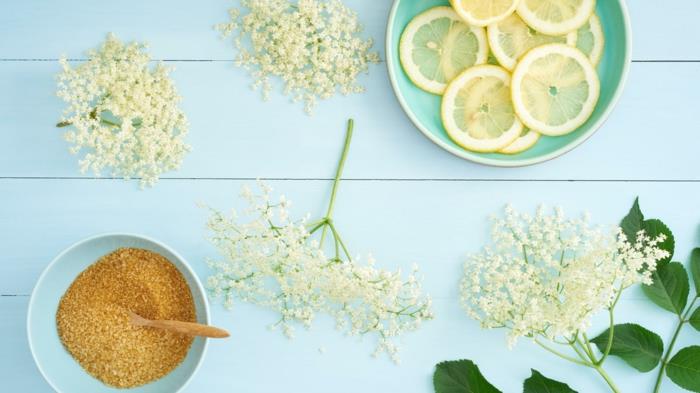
[
  {"x": 360, "y": 179},
  {"x": 48, "y": 59}
]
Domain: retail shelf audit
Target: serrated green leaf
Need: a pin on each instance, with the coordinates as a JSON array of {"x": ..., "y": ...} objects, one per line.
[
  {"x": 670, "y": 288},
  {"x": 695, "y": 268},
  {"x": 538, "y": 383},
  {"x": 460, "y": 376},
  {"x": 654, "y": 228},
  {"x": 684, "y": 368},
  {"x": 695, "y": 319},
  {"x": 632, "y": 223},
  {"x": 636, "y": 345}
]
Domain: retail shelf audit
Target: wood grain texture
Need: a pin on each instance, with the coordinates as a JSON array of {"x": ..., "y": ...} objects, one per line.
[
  {"x": 181, "y": 29},
  {"x": 264, "y": 361},
  {"x": 410, "y": 201},
  {"x": 234, "y": 134}
]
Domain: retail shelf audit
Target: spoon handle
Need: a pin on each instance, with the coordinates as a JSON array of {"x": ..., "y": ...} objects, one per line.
[{"x": 189, "y": 328}]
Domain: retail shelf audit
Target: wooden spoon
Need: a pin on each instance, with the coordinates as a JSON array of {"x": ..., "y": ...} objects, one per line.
[{"x": 188, "y": 328}]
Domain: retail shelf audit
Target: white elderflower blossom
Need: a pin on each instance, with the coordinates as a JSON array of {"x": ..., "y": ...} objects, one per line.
[
  {"x": 312, "y": 45},
  {"x": 123, "y": 112},
  {"x": 274, "y": 262},
  {"x": 546, "y": 276}
]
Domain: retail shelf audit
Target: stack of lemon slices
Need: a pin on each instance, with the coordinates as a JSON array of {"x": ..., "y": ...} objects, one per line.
[{"x": 508, "y": 70}]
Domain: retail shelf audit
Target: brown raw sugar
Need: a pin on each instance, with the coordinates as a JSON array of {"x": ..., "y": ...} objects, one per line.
[{"x": 93, "y": 321}]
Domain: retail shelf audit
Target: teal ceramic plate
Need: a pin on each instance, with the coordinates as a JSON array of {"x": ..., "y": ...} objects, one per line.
[
  {"x": 424, "y": 108},
  {"x": 59, "y": 369}
]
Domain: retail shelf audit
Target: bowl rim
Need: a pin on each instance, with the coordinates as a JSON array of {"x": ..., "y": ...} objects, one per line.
[
  {"x": 185, "y": 264},
  {"x": 474, "y": 157}
]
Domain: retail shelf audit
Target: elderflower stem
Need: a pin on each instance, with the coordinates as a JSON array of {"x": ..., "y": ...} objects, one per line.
[
  {"x": 611, "y": 329},
  {"x": 336, "y": 181},
  {"x": 336, "y": 236},
  {"x": 595, "y": 363},
  {"x": 588, "y": 348},
  {"x": 583, "y": 355},
  {"x": 561, "y": 355},
  {"x": 607, "y": 378},
  {"x": 583, "y": 362},
  {"x": 682, "y": 321}
]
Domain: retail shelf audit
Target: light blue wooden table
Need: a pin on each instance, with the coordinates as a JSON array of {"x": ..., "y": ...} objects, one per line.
[{"x": 404, "y": 199}]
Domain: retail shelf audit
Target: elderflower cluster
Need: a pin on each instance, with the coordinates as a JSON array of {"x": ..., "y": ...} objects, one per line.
[
  {"x": 312, "y": 45},
  {"x": 123, "y": 112},
  {"x": 546, "y": 275},
  {"x": 272, "y": 261}
]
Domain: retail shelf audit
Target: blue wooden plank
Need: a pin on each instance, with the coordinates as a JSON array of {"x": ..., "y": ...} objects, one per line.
[
  {"x": 183, "y": 29},
  {"x": 255, "y": 359},
  {"x": 177, "y": 29},
  {"x": 434, "y": 224},
  {"x": 235, "y": 134}
]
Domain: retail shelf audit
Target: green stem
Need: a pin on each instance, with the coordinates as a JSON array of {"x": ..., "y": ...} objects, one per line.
[
  {"x": 338, "y": 174},
  {"x": 561, "y": 355},
  {"x": 611, "y": 337},
  {"x": 318, "y": 225},
  {"x": 111, "y": 123},
  {"x": 339, "y": 170},
  {"x": 682, "y": 321},
  {"x": 589, "y": 350},
  {"x": 607, "y": 378},
  {"x": 336, "y": 236},
  {"x": 105, "y": 121},
  {"x": 583, "y": 362},
  {"x": 583, "y": 355},
  {"x": 611, "y": 330}
]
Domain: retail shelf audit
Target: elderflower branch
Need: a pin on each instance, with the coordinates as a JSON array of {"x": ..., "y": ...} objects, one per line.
[
  {"x": 545, "y": 276},
  {"x": 276, "y": 262}
]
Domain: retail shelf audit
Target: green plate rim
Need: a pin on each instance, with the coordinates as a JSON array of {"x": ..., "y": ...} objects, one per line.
[{"x": 475, "y": 157}]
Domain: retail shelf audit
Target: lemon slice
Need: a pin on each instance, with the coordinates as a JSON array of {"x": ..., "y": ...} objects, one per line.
[
  {"x": 511, "y": 38},
  {"x": 526, "y": 140},
  {"x": 437, "y": 45},
  {"x": 477, "y": 111},
  {"x": 555, "y": 89},
  {"x": 556, "y": 17},
  {"x": 591, "y": 40},
  {"x": 484, "y": 12}
]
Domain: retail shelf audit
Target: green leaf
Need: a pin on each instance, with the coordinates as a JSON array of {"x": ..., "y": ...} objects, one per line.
[
  {"x": 695, "y": 319},
  {"x": 461, "y": 376},
  {"x": 695, "y": 269},
  {"x": 636, "y": 345},
  {"x": 654, "y": 228},
  {"x": 538, "y": 383},
  {"x": 670, "y": 288},
  {"x": 632, "y": 223},
  {"x": 684, "y": 368}
]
